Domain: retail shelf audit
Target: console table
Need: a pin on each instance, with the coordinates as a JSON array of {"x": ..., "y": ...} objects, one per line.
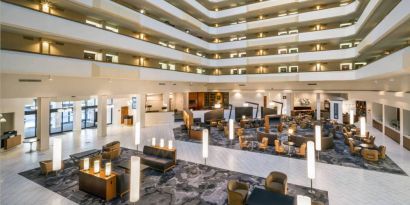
[{"x": 98, "y": 184}]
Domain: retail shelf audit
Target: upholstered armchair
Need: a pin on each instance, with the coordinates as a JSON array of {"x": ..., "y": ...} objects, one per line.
[
  {"x": 277, "y": 182},
  {"x": 382, "y": 152},
  {"x": 346, "y": 138},
  {"x": 279, "y": 149},
  {"x": 47, "y": 166},
  {"x": 240, "y": 132},
  {"x": 92, "y": 159},
  {"x": 370, "y": 155},
  {"x": 264, "y": 144},
  {"x": 237, "y": 192},
  {"x": 301, "y": 152},
  {"x": 111, "y": 150},
  {"x": 353, "y": 149},
  {"x": 369, "y": 140},
  {"x": 243, "y": 143}
]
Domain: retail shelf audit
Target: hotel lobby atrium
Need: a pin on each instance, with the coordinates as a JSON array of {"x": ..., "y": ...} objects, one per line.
[{"x": 222, "y": 102}]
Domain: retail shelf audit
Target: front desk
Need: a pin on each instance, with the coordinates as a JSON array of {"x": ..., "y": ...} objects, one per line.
[{"x": 158, "y": 118}]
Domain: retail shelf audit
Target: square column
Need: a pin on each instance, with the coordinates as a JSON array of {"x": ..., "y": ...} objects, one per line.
[
  {"x": 141, "y": 106},
  {"x": 317, "y": 106},
  {"x": 102, "y": 116},
  {"x": 401, "y": 126},
  {"x": 165, "y": 100},
  {"x": 43, "y": 123},
  {"x": 77, "y": 116}
]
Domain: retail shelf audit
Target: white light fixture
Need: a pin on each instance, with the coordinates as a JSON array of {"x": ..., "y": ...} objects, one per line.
[
  {"x": 108, "y": 169},
  {"x": 351, "y": 117},
  {"x": 362, "y": 126},
  {"x": 153, "y": 142},
  {"x": 311, "y": 163},
  {"x": 218, "y": 105},
  {"x": 137, "y": 134},
  {"x": 246, "y": 104},
  {"x": 57, "y": 146},
  {"x": 96, "y": 166},
  {"x": 135, "y": 179},
  {"x": 303, "y": 200},
  {"x": 318, "y": 137},
  {"x": 243, "y": 117},
  {"x": 230, "y": 129},
  {"x": 205, "y": 135},
  {"x": 161, "y": 143},
  {"x": 86, "y": 164},
  {"x": 2, "y": 120},
  {"x": 170, "y": 146}
]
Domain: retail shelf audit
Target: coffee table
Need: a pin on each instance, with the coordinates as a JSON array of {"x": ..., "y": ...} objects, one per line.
[
  {"x": 31, "y": 141},
  {"x": 77, "y": 156},
  {"x": 126, "y": 164},
  {"x": 262, "y": 197}
]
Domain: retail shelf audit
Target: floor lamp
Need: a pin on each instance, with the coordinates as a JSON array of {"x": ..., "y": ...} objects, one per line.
[
  {"x": 231, "y": 130},
  {"x": 57, "y": 149},
  {"x": 137, "y": 134},
  {"x": 135, "y": 179},
  {"x": 318, "y": 139},
  {"x": 205, "y": 136},
  {"x": 311, "y": 164}
]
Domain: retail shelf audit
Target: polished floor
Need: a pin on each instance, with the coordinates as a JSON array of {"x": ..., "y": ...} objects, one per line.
[{"x": 345, "y": 185}]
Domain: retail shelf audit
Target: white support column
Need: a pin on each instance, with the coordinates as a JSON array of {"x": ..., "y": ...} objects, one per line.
[
  {"x": 401, "y": 126},
  {"x": 165, "y": 100},
  {"x": 77, "y": 116},
  {"x": 317, "y": 106},
  {"x": 102, "y": 116},
  {"x": 141, "y": 106},
  {"x": 43, "y": 123},
  {"x": 384, "y": 118}
]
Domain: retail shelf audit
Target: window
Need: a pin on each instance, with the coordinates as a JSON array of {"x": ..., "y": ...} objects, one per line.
[
  {"x": 345, "y": 25},
  {"x": 200, "y": 70},
  {"x": 111, "y": 28},
  {"x": 346, "y": 66},
  {"x": 294, "y": 69},
  {"x": 281, "y": 33},
  {"x": 233, "y": 38},
  {"x": 345, "y": 45},
  {"x": 163, "y": 65},
  {"x": 282, "y": 51},
  {"x": 111, "y": 58},
  {"x": 282, "y": 69},
  {"x": 282, "y": 14},
  {"x": 293, "y": 50},
  {"x": 359, "y": 65},
  {"x": 162, "y": 43},
  {"x": 241, "y": 38},
  {"x": 238, "y": 71},
  {"x": 91, "y": 55},
  {"x": 294, "y": 31},
  {"x": 94, "y": 23},
  {"x": 199, "y": 54},
  {"x": 171, "y": 66},
  {"x": 171, "y": 46}
]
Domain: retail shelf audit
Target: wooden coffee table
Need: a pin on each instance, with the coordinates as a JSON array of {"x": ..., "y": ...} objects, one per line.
[{"x": 98, "y": 184}]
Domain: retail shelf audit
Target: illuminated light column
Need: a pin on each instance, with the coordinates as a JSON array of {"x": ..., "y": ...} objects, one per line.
[
  {"x": 303, "y": 200},
  {"x": 362, "y": 126},
  {"x": 161, "y": 143},
  {"x": 86, "y": 164},
  {"x": 170, "y": 146},
  {"x": 96, "y": 166},
  {"x": 57, "y": 148},
  {"x": 351, "y": 113},
  {"x": 153, "y": 142},
  {"x": 135, "y": 179},
  {"x": 318, "y": 139},
  {"x": 107, "y": 169},
  {"x": 231, "y": 130},
  {"x": 311, "y": 163},
  {"x": 137, "y": 136},
  {"x": 205, "y": 136},
  {"x": 317, "y": 106}
]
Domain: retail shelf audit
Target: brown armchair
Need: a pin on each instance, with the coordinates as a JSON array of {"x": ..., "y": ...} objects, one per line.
[
  {"x": 240, "y": 131},
  {"x": 353, "y": 149},
  {"x": 264, "y": 144},
  {"x": 382, "y": 152},
  {"x": 370, "y": 155},
  {"x": 47, "y": 166},
  {"x": 243, "y": 143},
  {"x": 237, "y": 192},
  {"x": 111, "y": 150},
  {"x": 92, "y": 159},
  {"x": 277, "y": 182},
  {"x": 301, "y": 152},
  {"x": 369, "y": 140},
  {"x": 279, "y": 149}
]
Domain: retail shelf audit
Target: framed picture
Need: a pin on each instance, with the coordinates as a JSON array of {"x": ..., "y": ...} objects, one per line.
[{"x": 134, "y": 102}]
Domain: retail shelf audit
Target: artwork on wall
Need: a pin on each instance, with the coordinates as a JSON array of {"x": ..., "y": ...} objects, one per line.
[{"x": 304, "y": 101}]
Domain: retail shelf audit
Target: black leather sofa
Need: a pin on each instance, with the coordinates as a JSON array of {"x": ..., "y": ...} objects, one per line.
[{"x": 157, "y": 158}]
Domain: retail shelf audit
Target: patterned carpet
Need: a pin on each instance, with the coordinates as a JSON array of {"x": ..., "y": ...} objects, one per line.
[
  {"x": 187, "y": 183},
  {"x": 339, "y": 155}
]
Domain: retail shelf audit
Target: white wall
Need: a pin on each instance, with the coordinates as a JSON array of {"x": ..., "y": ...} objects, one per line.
[{"x": 17, "y": 107}]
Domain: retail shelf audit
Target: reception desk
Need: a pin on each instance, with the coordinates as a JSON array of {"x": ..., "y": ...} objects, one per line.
[{"x": 158, "y": 118}]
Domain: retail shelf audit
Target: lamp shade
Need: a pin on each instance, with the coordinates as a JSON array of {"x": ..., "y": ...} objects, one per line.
[
  {"x": 303, "y": 200},
  {"x": 96, "y": 166},
  {"x": 318, "y": 137},
  {"x": 351, "y": 115},
  {"x": 217, "y": 105},
  {"x": 311, "y": 160},
  {"x": 231, "y": 129},
  {"x": 57, "y": 146},
  {"x": 243, "y": 117},
  {"x": 205, "y": 136},
  {"x": 161, "y": 143},
  {"x": 135, "y": 179},
  {"x": 86, "y": 164},
  {"x": 154, "y": 141},
  {"x": 108, "y": 169},
  {"x": 362, "y": 126},
  {"x": 137, "y": 133},
  {"x": 170, "y": 146}
]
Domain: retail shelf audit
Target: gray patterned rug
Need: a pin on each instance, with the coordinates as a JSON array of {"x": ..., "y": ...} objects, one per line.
[
  {"x": 339, "y": 155},
  {"x": 187, "y": 183}
]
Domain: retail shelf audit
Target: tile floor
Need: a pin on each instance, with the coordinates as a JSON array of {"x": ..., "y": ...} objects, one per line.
[{"x": 345, "y": 185}]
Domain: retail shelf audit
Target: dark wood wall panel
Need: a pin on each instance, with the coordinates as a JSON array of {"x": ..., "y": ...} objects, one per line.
[
  {"x": 378, "y": 125},
  {"x": 393, "y": 134},
  {"x": 406, "y": 143}
]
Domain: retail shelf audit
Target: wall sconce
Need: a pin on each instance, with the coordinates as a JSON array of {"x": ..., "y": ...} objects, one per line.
[
  {"x": 57, "y": 148},
  {"x": 135, "y": 179},
  {"x": 205, "y": 135},
  {"x": 86, "y": 164},
  {"x": 153, "y": 142},
  {"x": 108, "y": 169},
  {"x": 231, "y": 129},
  {"x": 311, "y": 163},
  {"x": 170, "y": 146},
  {"x": 362, "y": 126},
  {"x": 161, "y": 143},
  {"x": 96, "y": 166}
]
